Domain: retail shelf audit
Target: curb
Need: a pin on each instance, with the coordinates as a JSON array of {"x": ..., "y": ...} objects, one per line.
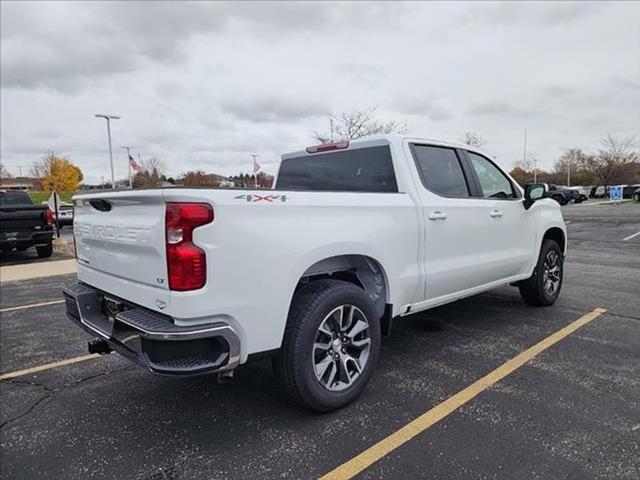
[{"x": 13, "y": 273}]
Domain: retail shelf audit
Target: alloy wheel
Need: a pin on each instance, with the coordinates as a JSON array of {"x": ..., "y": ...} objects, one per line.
[
  {"x": 341, "y": 347},
  {"x": 552, "y": 273}
]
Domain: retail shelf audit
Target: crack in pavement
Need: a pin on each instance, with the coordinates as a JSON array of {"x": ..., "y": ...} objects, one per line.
[
  {"x": 29, "y": 410},
  {"x": 51, "y": 392}
]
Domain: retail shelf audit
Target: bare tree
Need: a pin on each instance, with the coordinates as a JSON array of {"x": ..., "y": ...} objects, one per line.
[
  {"x": 198, "y": 178},
  {"x": 150, "y": 174},
  {"x": 4, "y": 173},
  {"x": 358, "y": 124},
  {"x": 575, "y": 158},
  {"x": 526, "y": 169},
  {"x": 574, "y": 164},
  {"x": 40, "y": 167},
  {"x": 525, "y": 164},
  {"x": 473, "y": 139},
  {"x": 614, "y": 158}
]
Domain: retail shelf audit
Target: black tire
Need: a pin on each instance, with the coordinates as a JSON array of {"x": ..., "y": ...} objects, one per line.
[
  {"x": 636, "y": 197},
  {"x": 45, "y": 251},
  {"x": 294, "y": 365},
  {"x": 533, "y": 289}
]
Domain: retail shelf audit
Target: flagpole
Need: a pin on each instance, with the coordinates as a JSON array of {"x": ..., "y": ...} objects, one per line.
[
  {"x": 255, "y": 172},
  {"x": 129, "y": 163}
]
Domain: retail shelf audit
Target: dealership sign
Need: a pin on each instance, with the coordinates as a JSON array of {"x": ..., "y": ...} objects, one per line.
[{"x": 615, "y": 193}]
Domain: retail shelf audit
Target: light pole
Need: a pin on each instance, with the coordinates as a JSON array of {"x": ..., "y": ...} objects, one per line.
[
  {"x": 129, "y": 163},
  {"x": 108, "y": 118}
]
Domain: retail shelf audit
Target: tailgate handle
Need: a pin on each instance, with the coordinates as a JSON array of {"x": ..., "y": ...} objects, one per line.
[{"x": 100, "y": 204}]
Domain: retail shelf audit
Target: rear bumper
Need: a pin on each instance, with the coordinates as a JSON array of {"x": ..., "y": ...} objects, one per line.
[
  {"x": 150, "y": 339},
  {"x": 9, "y": 240}
]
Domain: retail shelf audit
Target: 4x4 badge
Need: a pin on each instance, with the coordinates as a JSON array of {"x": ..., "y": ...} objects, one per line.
[{"x": 261, "y": 198}]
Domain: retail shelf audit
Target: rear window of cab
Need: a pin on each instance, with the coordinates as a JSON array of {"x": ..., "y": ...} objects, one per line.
[
  {"x": 359, "y": 170},
  {"x": 12, "y": 197}
]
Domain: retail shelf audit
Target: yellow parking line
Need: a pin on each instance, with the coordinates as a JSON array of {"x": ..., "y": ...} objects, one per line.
[
  {"x": 47, "y": 366},
  {"x": 385, "y": 446},
  {"x": 631, "y": 236},
  {"x": 33, "y": 305}
]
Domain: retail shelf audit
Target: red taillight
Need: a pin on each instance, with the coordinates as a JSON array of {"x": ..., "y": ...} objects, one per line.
[
  {"x": 186, "y": 263},
  {"x": 49, "y": 216},
  {"x": 325, "y": 147}
]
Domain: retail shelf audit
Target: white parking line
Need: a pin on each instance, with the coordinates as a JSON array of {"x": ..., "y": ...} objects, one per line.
[
  {"x": 631, "y": 236},
  {"x": 33, "y": 305}
]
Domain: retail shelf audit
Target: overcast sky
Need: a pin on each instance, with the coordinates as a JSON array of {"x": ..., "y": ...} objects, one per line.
[{"x": 203, "y": 85}]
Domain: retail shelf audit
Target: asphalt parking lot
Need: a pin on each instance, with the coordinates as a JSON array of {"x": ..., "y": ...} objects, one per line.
[{"x": 573, "y": 411}]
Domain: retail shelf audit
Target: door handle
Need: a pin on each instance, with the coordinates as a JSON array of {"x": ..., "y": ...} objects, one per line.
[
  {"x": 496, "y": 213},
  {"x": 437, "y": 215}
]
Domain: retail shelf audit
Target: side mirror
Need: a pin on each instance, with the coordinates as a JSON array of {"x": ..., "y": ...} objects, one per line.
[{"x": 533, "y": 192}]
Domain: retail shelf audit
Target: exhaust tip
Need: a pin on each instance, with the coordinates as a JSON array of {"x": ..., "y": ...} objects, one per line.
[{"x": 226, "y": 376}]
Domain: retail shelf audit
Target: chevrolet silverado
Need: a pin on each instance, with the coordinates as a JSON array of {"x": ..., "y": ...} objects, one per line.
[{"x": 312, "y": 273}]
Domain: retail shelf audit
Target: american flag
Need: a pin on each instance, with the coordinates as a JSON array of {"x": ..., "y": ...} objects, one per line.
[
  {"x": 256, "y": 166},
  {"x": 133, "y": 164}
]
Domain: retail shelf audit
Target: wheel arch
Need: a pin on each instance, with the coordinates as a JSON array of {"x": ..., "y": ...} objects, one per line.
[
  {"x": 361, "y": 270},
  {"x": 556, "y": 234}
]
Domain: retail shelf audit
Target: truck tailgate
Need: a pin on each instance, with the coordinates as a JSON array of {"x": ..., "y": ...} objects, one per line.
[
  {"x": 22, "y": 218},
  {"x": 121, "y": 234}
]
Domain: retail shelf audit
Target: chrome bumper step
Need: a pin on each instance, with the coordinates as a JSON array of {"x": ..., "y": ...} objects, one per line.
[{"x": 151, "y": 339}]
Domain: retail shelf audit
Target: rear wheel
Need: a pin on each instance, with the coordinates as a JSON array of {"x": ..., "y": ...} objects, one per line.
[
  {"x": 330, "y": 346},
  {"x": 543, "y": 287},
  {"x": 45, "y": 251}
]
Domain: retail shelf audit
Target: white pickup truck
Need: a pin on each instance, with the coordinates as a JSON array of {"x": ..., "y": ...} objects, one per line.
[{"x": 198, "y": 280}]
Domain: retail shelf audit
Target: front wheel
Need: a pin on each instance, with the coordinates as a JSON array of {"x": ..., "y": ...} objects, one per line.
[
  {"x": 330, "y": 347},
  {"x": 543, "y": 287}
]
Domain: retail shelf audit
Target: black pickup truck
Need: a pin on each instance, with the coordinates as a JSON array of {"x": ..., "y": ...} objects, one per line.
[
  {"x": 564, "y": 195},
  {"x": 24, "y": 225}
]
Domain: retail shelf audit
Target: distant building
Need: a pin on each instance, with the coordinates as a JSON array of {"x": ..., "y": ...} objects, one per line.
[{"x": 17, "y": 183}]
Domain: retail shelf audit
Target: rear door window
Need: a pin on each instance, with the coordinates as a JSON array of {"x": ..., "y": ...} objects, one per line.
[
  {"x": 441, "y": 171},
  {"x": 359, "y": 170}
]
